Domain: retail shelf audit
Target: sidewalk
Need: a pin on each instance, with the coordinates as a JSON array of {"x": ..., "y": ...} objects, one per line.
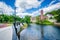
[{"x": 6, "y": 33}]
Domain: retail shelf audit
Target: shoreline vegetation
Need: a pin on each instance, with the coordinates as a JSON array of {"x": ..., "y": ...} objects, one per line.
[{"x": 9, "y": 19}]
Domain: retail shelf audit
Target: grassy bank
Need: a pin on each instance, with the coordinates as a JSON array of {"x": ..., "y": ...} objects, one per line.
[
  {"x": 45, "y": 22},
  {"x": 25, "y": 25}
]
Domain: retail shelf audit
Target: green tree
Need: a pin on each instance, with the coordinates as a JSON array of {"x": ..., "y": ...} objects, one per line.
[
  {"x": 27, "y": 19},
  {"x": 56, "y": 14},
  {"x": 1, "y": 18}
]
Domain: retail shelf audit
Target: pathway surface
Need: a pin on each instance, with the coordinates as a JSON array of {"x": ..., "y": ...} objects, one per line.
[{"x": 6, "y": 33}]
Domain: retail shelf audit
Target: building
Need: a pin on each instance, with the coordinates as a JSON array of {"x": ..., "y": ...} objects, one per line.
[
  {"x": 42, "y": 17},
  {"x": 33, "y": 19},
  {"x": 51, "y": 18}
]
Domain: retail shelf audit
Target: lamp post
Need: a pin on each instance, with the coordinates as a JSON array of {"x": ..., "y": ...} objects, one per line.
[
  {"x": 15, "y": 24},
  {"x": 15, "y": 20}
]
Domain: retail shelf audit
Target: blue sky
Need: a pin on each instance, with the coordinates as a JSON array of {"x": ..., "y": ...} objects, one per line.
[
  {"x": 9, "y": 2},
  {"x": 43, "y": 4}
]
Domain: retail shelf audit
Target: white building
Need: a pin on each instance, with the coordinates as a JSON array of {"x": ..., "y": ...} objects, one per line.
[{"x": 33, "y": 19}]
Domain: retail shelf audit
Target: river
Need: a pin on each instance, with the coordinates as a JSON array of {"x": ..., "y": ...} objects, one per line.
[{"x": 33, "y": 32}]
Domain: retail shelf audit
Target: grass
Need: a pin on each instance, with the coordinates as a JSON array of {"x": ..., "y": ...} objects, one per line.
[
  {"x": 45, "y": 22},
  {"x": 23, "y": 27}
]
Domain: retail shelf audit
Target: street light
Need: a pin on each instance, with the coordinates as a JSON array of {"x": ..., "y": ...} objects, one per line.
[
  {"x": 15, "y": 20},
  {"x": 15, "y": 24}
]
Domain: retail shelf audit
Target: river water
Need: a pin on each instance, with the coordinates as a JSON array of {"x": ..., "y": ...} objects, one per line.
[{"x": 33, "y": 32}]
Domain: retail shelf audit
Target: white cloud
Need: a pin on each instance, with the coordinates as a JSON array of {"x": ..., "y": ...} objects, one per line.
[
  {"x": 27, "y": 4},
  {"x": 6, "y": 9},
  {"x": 22, "y": 5},
  {"x": 24, "y": 14},
  {"x": 19, "y": 10},
  {"x": 52, "y": 7},
  {"x": 47, "y": 9},
  {"x": 52, "y": 2}
]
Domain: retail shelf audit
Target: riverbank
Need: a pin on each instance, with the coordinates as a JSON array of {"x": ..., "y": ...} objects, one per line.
[{"x": 57, "y": 24}]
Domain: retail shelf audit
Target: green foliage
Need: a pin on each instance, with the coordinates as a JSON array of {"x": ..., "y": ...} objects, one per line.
[
  {"x": 46, "y": 22},
  {"x": 38, "y": 20},
  {"x": 56, "y": 14},
  {"x": 11, "y": 18},
  {"x": 58, "y": 18},
  {"x": 27, "y": 19},
  {"x": 42, "y": 22},
  {"x": 4, "y": 18},
  {"x": 8, "y": 19}
]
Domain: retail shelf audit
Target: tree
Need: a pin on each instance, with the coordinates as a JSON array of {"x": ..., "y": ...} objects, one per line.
[
  {"x": 27, "y": 19},
  {"x": 56, "y": 14},
  {"x": 1, "y": 18},
  {"x": 38, "y": 19},
  {"x": 8, "y": 18}
]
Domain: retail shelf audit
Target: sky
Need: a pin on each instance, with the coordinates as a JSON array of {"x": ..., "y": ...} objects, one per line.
[{"x": 28, "y": 7}]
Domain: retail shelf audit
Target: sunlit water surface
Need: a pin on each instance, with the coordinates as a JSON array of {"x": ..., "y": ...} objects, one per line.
[{"x": 33, "y": 32}]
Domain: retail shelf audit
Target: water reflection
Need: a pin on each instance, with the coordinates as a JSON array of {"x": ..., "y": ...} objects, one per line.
[
  {"x": 33, "y": 32},
  {"x": 51, "y": 33}
]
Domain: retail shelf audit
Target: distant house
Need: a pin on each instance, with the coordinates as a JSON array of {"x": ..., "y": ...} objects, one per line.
[
  {"x": 51, "y": 18},
  {"x": 33, "y": 19},
  {"x": 41, "y": 17}
]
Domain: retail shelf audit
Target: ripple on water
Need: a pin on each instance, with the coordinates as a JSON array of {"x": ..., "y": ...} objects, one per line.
[
  {"x": 34, "y": 33},
  {"x": 51, "y": 33}
]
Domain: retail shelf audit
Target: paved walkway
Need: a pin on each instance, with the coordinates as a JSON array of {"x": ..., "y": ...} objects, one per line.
[{"x": 6, "y": 33}]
